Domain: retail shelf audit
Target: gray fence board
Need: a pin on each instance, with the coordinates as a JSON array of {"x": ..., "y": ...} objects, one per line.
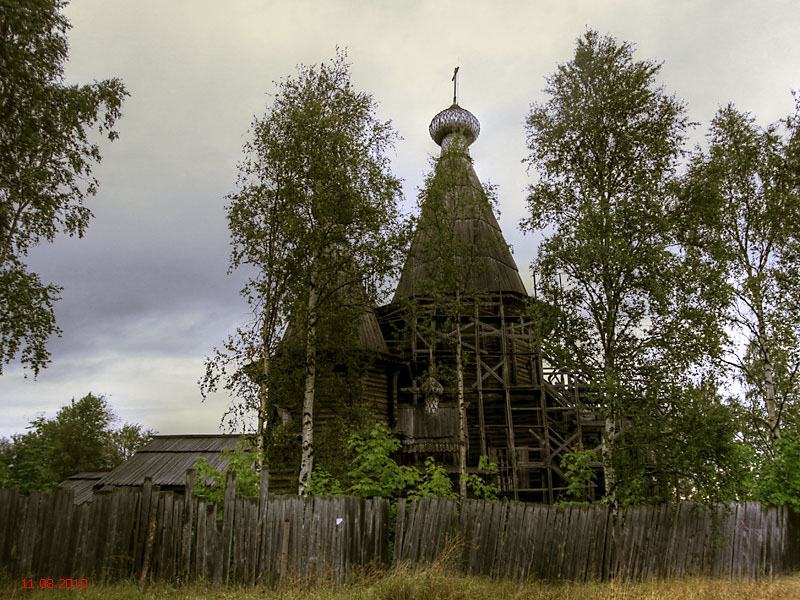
[{"x": 261, "y": 540}]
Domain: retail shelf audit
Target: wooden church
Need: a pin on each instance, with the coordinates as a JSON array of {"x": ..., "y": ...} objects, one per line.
[{"x": 522, "y": 413}]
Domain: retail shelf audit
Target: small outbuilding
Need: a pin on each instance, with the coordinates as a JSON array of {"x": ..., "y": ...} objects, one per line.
[{"x": 165, "y": 459}]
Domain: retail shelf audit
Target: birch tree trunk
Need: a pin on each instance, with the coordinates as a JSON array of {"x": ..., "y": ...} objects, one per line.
[
  {"x": 462, "y": 412},
  {"x": 772, "y": 407},
  {"x": 610, "y": 432},
  {"x": 262, "y": 410},
  {"x": 307, "y": 444},
  {"x": 769, "y": 392},
  {"x": 769, "y": 372},
  {"x": 610, "y": 426}
]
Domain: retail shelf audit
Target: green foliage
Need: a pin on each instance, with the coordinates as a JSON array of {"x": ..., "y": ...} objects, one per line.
[
  {"x": 577, "y": 466},
  {"x": 316, "y": 217},
  {"x": 79, "y": 434},
  {"x": 210, "y": 482},
  {"x": 323, "y": 484},
  {"x": 373, "y": 472},
  {"x": 6, "y": 448},
  {"x": 434, "y": 482},
  {"x": 740, "y": 207},
  {"x": 635, "y": 314},
  {"x": 605, "y": 145},
  {"x": 351, "y": 418},
  {"x": 126, "y": 440},
  {"x": 681, "y": 443},
  {"x": 79, "y": 438},
  {"x": 778, "y": 477},
  {"x": 26, "y": 461},
  {"x": 482, "y": 485},
  {"x": 46, "y": 161}
]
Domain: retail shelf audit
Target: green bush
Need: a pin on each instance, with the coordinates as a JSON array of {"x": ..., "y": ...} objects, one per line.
[
  {"x": 374, "y": 472},
  {"x": 778, "y": 480},
  {"x": 481, "y": 488},
  {"x": 210, "y": 483},
  {"x": 434, "y": 482}
]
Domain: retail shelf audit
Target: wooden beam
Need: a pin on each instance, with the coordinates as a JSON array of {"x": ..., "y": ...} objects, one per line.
[
  {"x": 509, "y": 417},
  {"x": 479, "y": 381},
  {"x": 548, "y": 460}
]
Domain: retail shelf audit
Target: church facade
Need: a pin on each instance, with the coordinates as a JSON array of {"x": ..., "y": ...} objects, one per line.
[{"x": 522, "y": 413}]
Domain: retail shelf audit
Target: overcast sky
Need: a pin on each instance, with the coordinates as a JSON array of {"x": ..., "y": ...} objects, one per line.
[{"x": 146, "y": 296}]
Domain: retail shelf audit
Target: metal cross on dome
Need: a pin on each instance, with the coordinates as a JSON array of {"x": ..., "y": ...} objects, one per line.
[{"x": 455, "y": 83}]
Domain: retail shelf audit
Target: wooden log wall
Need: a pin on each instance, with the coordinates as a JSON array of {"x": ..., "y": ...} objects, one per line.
[
  {"x": 583, "y": 543},
  {"x": 145, "y": 534}
]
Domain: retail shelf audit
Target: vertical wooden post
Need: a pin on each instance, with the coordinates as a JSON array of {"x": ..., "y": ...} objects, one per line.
[
  {"x": 512, "y": 449},
  {"x": 188, "y": 519},
  {"x": 143, "y": 522},
  {"x": 149, "y": 540},
  {"x": 536, "y": 364},
  {"x": 227, "y": 523},
  {"x": 261, "y": 537},
  {"x": 285, "y": 547},
  {"x": 263, "y": 494},
  {"x": 576, "y": 398},
  {"x": 393, "y": 414}
]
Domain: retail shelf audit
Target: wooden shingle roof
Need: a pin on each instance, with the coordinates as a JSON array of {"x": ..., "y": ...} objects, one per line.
[
  {"x": 474, "y": 223},
  {"x": 82, "y": 485},
  {"x": 167, "y": 457},
  {"x": 370, "y": 336}
]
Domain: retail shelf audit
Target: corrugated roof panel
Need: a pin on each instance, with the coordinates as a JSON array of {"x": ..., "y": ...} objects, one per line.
[
  {"x": 95, "y": 475},
  {"x": 166, "y": 459},
  {"x": 191, "y": 443},
  {"x": 82, "y": 488},
  {"x": 165, "y": 468}
]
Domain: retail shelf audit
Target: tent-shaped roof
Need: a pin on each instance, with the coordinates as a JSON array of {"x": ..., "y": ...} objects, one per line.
[
  {"x": 471, "y": 216},
  {"x": 370, "y": 336}
]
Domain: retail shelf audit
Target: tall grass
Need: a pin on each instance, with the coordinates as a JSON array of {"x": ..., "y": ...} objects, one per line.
[{"x": 439, "y": 583}]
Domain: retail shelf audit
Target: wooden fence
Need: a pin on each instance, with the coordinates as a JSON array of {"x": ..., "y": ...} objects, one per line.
[
  {"x": 580, "y": 543},
  {"x": 145, "y": 533},
  {"x": 148, "y": 534}
]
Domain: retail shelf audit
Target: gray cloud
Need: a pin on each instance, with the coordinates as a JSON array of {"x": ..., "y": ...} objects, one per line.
[{"x": 146, "y": 296}]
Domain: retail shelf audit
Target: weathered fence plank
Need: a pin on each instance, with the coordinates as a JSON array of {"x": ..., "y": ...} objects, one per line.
[{"x": 150, "y": 534}]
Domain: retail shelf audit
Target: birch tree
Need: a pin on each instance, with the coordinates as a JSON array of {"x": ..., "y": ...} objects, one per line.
[
  {"x": 605, "y": 145},
  {"x": 317, "y": 214},
  {"x": 741, "y": 207}
]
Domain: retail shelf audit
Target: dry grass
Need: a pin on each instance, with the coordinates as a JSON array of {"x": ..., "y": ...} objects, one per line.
[{"x": 440, "y": 583}]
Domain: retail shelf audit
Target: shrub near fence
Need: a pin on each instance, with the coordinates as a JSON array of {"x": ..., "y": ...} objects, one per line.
[{"x": 145, "y": 533}]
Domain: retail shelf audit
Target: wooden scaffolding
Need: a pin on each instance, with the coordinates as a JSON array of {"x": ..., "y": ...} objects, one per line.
[{"x": 522, "y": 414}]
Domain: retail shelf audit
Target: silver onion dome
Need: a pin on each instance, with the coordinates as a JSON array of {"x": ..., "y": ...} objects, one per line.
[{"x": 454, "y": 120}]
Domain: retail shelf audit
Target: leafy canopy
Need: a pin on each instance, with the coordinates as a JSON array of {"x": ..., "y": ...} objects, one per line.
[
  {"x": 778, "y": 481},
  {"x": 740, "y": 207},
  {"x": 629, "y": 311},
  {"x": 374, "y": 472},
  {"x": 315, "y": 221},
  {"x": 79, "y": 438},
  {"x": 46, "y": 161},
  {"x": 604, "y": 145}
]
